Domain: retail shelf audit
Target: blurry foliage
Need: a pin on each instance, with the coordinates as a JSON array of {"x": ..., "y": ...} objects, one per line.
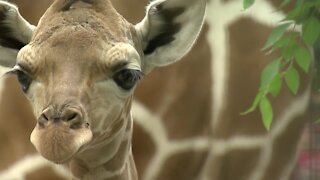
[{"x": 293, "y": 45}]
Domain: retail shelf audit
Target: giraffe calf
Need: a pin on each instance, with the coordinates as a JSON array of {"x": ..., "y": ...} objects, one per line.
[{"x": 79, "y": 68}]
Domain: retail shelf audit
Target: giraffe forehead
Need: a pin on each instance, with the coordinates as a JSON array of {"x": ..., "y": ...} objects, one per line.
[
  {"x": 108, "y": 24},
  {"x": 121, "y": 52},
  {"x": 81, "y": 34},
  {"x": 105, "y": 55}
]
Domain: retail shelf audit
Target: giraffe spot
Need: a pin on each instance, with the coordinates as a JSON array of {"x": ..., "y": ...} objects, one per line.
[
  {"x": 183, "y": 165},
  {"x": 15, "y": 124},
  {"x": 284, "y": 149},
  {"x": 143, "y": 148},
  {"x": 124, "y": 8},
  {"x": 286, "y": 9},
  {"x": 244, "y": 78},
  {"x": 236, "y": 163}
]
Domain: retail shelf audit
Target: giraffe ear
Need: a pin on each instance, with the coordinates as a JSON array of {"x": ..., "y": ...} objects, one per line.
[
  {"x": 169, "y": 29},
  {"x": 15, "y": 32}
]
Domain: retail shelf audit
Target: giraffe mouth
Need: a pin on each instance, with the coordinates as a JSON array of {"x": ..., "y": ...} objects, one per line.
[{"x": 59, "y": 143}]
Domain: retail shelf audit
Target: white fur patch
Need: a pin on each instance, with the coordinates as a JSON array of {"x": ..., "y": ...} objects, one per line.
[{"x": 29, "y": 164}]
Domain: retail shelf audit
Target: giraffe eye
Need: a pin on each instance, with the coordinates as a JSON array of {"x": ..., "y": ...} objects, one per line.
[
  {"x": 24, "y": 79},
  {"x": 127, "y": 78}
]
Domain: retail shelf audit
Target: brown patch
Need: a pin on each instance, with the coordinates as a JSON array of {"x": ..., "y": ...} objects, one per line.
[
  {"x": 16, "y": 124},
  {"x": 125, "y": 8},
  {"x": 284, "y": 149},
  {"x": 237, "y": 164},
  {"x": 181, "y": 93},
  {"x": 32, "y": 11},
  {"x": 183, "y": 165},
  {"x": 46, "y": 173},
  {"x": 247, "y": 64},
  {"x": 277, "y": 4},
  {"x": 143, "y": 148},
  {"x": 246, "y": 37}
]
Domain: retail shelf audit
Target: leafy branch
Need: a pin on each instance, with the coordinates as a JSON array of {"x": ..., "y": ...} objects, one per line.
[{"x": 294, "y": 53}]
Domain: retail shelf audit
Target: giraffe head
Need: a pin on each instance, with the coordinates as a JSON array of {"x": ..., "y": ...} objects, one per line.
[{"x": 80, "y": 65}]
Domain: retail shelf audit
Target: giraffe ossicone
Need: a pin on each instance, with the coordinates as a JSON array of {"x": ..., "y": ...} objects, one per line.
[{"x": 79, "y": 67}]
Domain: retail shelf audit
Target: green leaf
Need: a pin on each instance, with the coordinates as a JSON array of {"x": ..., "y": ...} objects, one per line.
[
  {"x": 266, "y": 112},
  {"x": 285, "y": 41},
  {"x": 293, "y": 14},
  {"x": 275, "y": 86},
  {"x": 311, "y": 30},
  {"x": 247, "y": 3},
  {"x": 269, "y": 72},
  {"x": 276, "y": 34},
  {"x": 288, "y": 52},
  {"x": 292, "y": 80},
  {"x": 303, "y": 58},
  {"x": 288, "y": 45},
  {"x": 255, "y": 103},
  {"x": 300, "y": 13}
]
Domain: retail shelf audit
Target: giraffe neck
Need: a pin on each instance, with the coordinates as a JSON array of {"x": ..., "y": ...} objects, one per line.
[{"x": 109, "y": 156}]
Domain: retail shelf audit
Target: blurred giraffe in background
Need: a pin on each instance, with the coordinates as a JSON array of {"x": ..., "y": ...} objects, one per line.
[{"x": 187, "y": 122}]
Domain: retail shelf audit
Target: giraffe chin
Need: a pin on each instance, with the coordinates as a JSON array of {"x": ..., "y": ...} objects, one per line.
[{"x": 58, "y": 143}]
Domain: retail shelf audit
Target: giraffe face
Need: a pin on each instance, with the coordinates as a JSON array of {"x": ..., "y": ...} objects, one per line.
[
  {"x": 78, "y": 79},
  {"x": 83, "y": 61}
]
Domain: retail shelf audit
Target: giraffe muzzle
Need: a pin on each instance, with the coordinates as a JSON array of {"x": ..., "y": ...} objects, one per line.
[{"x": 59, "y": 134}]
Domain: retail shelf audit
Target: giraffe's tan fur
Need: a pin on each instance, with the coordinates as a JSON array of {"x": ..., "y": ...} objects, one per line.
[
  {"x": 78, "y": 76},
  {"x": 173, "y": 141},
  {"x": 76, "y": 54}
]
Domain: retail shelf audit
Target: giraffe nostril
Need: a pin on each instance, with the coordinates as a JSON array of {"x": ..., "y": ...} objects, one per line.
[
  {"x": 42, "y": 120},
  {"x": 74, "y": 118},
  {"x": 71, "y": 116}
]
